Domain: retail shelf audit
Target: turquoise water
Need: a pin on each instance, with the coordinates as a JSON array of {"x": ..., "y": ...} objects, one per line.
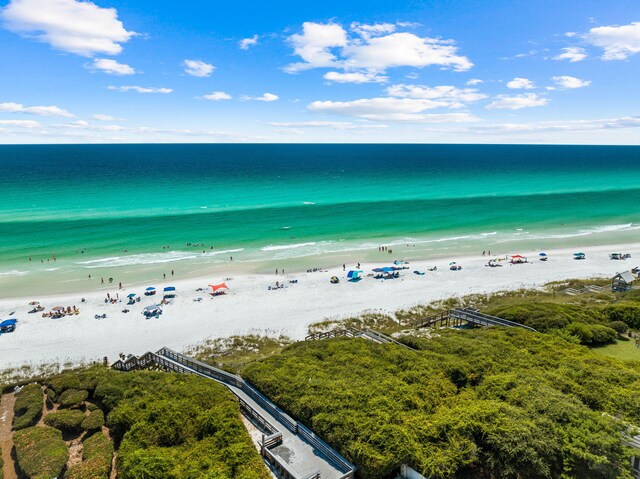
[{"x": 129, "y": 211}]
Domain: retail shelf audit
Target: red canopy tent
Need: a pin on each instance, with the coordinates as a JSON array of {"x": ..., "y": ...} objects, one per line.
[
  {"x": 518, "y": 259},
  {"x": 217, "y": 287}
]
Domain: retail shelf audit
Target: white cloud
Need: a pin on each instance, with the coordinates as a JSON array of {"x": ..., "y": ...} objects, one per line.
[
  {"x": 572, "y": 54},
  {"x": 336, "y": 125},
  {"x": 73, "y": 26},
  {"x": 20, "y": 123},
  {"x": 198, "y": 68},
  {"x": 355, "y": 77},
  {"x": 520, "y": 84},
  {"x": 371, "y": 48},
  {"x": 290, "y": 131},
  {"x": 139, "y": 89},
  {"x": 374, "y": 30},
  {"x": 475, "y": 81},
  {"x": 112, "y": 67},
  {"x": 11, "y": 107},
  {"x": 268, "y": 97},
  {"x": 517, "y": 102},
  {"x": 403, "y": 49},
  {"x": 101, "y": 117},
  {"x": 314, "y": 45},
  {"x": 570, "y": 82},
  {"x": 568, "y": 125},
  {"x": 618, "y": 42},
  {"x": 443, "y": 92},
  {"x": 217, "y": 96},
  {"x": 246, "y": 43},
  {"x": 390, "y": 109}
]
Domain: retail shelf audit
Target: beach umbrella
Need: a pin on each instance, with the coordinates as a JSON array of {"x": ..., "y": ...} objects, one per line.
[
  {"x": 578, "y": 254},
  {"x": 34, "y": 303},
  {"x": 543, "y": 254},
  {"x": 150, "y": 288},
  {"x": 378, "y": 270},
  {"x": 452, "y": 263},
  {"x": 216, "y": 287},
  {"x": 131, "y": 295},
  {"x": 354, "y": 273},
  {"x": 58, "y": 308}
]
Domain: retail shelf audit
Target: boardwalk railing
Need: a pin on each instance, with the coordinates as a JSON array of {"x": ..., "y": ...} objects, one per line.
[
  {"x": 476, "y": 317},
  {"x": 172, "y": 361},
  {"x": 587, "y": 289}
]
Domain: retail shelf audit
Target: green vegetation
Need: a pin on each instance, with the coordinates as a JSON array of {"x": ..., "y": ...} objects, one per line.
[
  {"x": 163, "y": 425},
  {"x": 93, "y": 421},
  {"x": 73, "y": 398},
  {"x": 234, "y": 352},
  {"x": 41, "y": 453},
  {"x": 176, "y": 426},
  {"x": 67, "y": 421},
  {"x": 478, "y": 403},
  {"x": 28, "y": 407},
  {"x": 96, "y": 459}
]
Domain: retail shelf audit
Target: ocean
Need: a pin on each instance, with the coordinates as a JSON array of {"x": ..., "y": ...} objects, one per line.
[{"x": 136, "y": 212}]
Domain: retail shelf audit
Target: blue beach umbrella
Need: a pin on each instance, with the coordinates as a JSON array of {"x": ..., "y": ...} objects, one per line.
[
  {"x": 151, "y": 288},
  {"x": 354, "y": 273},
  {"x": 132, "y": 295},
  {"x": 543, "y": 254}
]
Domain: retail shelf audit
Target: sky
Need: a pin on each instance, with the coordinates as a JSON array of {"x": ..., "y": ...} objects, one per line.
[{"x": 362, "y": 71}]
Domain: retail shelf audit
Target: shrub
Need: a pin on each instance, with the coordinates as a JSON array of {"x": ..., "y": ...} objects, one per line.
[
  {"x": 619, "y": 327},
  {"x": 626, "y": 311},
  {"x": 65, "y": 421},
  {"x": 96, "y": 459},
  {"x": 92, "y": 407},
  {"x": 592, "y": 334},
  {"x": 51, "y": 397},
  {"x": 545, "y": 316},
  {"x": 93, "y": 421},
  {"x": 40, "y": 452},
  {"x": 28, "y": 407},
  {"x": 72, "y": 398},
  {"x": 491, "y": 402}
]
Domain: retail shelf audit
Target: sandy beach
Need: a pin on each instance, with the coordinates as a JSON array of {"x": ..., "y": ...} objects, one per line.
[{"x": 250, "y": 306}]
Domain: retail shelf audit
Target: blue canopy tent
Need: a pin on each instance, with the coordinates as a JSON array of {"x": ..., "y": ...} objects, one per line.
[
  {"x": 579, "y": 256},
  {"x": 169, "y": 292},
  {"x": 131, "y": 295},
  {"x": 354, "y": 275},
  {"x": 150, "y": 291},
  {"x": 8, "y": 325},
  {"x": 386, "y": 269}
]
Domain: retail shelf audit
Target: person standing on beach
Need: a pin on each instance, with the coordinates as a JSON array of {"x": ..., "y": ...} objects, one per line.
[
  {"x": 164, "y": 275},
  {"x": 276, "y": 271},
  {"x": 120, "y": 285},
  {"x": 171, "y": 272},
  {"x": 344, "y": 267}
]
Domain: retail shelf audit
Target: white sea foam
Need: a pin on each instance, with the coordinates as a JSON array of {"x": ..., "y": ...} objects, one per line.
[
  {"x": 286, "y": 246},
  {"x": 137, "y": 259},
  {"x": 216, "y": 253},
  {"x": 14, "y": 272}
]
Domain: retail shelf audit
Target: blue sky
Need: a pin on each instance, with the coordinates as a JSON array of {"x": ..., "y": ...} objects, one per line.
[{"x": 359, "y": 71}]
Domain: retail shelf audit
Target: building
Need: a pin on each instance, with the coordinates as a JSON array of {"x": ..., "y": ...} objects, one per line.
[{"x": 622, "y": 282}]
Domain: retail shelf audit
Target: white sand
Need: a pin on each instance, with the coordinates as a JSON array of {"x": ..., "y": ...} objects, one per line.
[{"x": 250, "y": 306}]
